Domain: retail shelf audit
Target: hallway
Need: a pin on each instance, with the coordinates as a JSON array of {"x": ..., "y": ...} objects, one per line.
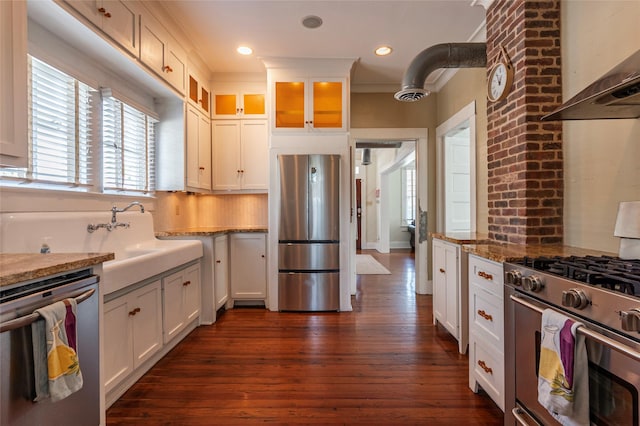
[{"x": 385, "y": 363}]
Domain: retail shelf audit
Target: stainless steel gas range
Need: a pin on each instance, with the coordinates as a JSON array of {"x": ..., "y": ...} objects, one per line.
[{"x": 601, "y": 292}]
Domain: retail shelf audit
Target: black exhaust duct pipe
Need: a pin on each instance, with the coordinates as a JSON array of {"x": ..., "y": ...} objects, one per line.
[{"x": 445, "y": 55}]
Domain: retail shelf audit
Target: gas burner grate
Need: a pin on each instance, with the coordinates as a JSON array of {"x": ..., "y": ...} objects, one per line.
[{"x": 608, "y": 272}]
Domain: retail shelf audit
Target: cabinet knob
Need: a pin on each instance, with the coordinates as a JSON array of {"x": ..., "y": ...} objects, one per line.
[
  {"x": 262, "y": 256},
  {"x": 167, "y": 68},
  {"x": 135, "y": 311},
  {"x": 104, "y": 12},
  {"x": 186, "y": 283},
  {"x": 484, "y": 366},
  {"x": 441, "y": 271}
]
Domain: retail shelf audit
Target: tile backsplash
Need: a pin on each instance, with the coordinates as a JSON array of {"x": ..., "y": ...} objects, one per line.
[{"x": 179, "y": 210}]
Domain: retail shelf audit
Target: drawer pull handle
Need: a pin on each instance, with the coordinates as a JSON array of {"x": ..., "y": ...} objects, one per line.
[
  {"x": 186, "y": 283},
  {"x": 167, "y": 68},
  {"x": 218, "y": 261},
  {"x": 485, "y": 315},
  {"x": 135, "y": 311},
  {"x": 484, "y": 366},
  {"x": 485, "y": 275},
  {"x": 441, "y": 271}
]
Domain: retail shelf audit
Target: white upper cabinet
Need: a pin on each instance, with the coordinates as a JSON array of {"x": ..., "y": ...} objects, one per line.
[
  {"x": 310, "y": 104},
  {"x": 239, "y": 100},
  {"x": 13, "y": 84},
  {"x": 118, "y": 19},
  {"x": 240, "y": 155},
  {"x": 161, "y": 53},
  {"x": 199, "y": 92},
  {"x": 198, "y": 149}
]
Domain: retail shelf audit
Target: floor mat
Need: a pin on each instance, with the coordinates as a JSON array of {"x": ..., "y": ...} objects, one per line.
[{"x": 366, "y": 264}]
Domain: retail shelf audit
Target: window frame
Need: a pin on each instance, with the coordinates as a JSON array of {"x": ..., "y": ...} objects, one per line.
[
  {"x": 94, "y": 182},
  {"x": 406, "y": 208}
]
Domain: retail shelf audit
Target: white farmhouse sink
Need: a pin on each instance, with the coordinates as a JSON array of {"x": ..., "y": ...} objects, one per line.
[{"x": 138, "y": 254}]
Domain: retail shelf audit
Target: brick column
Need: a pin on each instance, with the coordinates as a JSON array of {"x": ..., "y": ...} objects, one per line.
[{"x": 524, "y": 155}]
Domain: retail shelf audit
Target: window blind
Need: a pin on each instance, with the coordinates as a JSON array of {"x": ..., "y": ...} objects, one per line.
[
  {"x": 59, "y": 127},
  {"x": 128, "y": 147}
]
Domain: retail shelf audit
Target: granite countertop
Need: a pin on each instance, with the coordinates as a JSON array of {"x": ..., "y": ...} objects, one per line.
[
  {"x": 461, "y": 237},
  {"x": 504, "y": 252},
  {"x": 20, "y": 267},
  {"x": 205, "y": 231}
]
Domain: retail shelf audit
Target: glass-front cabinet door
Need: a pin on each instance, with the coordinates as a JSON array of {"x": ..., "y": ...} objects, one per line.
[
  {"x": 290, "y": 100},
  {"x": 311, "y": 104},
  {"x": 327, "y": 105},
  {"x": 248, "y": 104}
]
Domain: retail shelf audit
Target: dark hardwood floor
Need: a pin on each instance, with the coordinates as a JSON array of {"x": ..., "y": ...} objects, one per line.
[{"x": 385, "y": 363}]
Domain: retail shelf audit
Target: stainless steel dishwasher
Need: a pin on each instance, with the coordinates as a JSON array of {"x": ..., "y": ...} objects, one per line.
[{"x": 17, "y": 389}]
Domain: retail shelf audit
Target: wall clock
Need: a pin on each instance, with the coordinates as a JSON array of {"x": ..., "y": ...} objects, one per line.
[{"x": 500, "y": 78}]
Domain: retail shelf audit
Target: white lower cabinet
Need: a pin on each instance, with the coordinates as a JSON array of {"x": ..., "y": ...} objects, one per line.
[
  {"x": 221, "y": 270},
  {"x": 181, "y": 300},
  {"x": 486, "y": 329},
  {"x": 139, "y": 323},
  {"x": 132, "y": 331},
  {"x": 450, "y": 292},
  {"x": 248, "y": 262}
]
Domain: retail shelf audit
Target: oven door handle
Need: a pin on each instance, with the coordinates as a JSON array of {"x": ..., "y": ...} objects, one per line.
[
  {"x": 520, "y": 418},
  {"x": 28, "y": 319},
  {"x": 608, "y": 342}
]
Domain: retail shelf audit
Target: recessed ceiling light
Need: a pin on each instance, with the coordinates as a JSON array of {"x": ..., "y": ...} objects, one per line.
[
  {"x": 244, "y": 50},
  {"x": 383, "y": 50},
  {"x": 312, "y": 21}
]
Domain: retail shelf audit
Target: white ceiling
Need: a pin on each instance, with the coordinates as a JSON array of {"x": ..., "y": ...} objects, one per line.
[{"x": 351, "y": 29}]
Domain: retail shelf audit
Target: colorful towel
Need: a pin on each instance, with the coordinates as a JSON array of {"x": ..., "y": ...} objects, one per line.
[
  {"x": 563, "y": 373},
  {"x": 56, "y": 366}
]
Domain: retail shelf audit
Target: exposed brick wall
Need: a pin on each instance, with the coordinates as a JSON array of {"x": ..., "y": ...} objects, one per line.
[{"x": 524, "y": 155}]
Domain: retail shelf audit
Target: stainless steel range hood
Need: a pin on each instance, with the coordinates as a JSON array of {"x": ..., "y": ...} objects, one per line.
[{"x": 614, "y": 95}]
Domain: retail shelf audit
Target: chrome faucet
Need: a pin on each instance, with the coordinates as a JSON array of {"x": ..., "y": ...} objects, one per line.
[
  {"x": 115, "y": 210},
  {"x": 114, "y": 221},
  {"x": 91, "y": 227}
]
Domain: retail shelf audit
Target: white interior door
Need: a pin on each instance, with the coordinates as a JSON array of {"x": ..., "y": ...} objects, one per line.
[
  {"x": 457, "y": 181},
  {"x": 456, "y": 172}
]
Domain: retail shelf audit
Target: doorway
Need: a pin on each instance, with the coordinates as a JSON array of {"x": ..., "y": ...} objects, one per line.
[
  {"x": 455, "y": 169},
  {"x": 373, "y": 199}
]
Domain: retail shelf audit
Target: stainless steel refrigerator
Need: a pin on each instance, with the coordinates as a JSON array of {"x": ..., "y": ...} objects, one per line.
[{"x": 309, "y": 233}]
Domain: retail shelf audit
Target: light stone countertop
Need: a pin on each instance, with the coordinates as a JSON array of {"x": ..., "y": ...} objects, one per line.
[
  {"x": 502, "y": 252},
  {"x": 461, "y": 237},
  {"x": 205, "y": 231},
  {"x": 20, "y": 267}
]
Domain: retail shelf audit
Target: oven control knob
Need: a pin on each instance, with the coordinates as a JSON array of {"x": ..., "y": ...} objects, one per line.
[
  {"x": 532, "y": 283},
  {"x": 575, "y": 298},
  {"x": 513, "y": 277},
  {"x": 631, "y": 319}
]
